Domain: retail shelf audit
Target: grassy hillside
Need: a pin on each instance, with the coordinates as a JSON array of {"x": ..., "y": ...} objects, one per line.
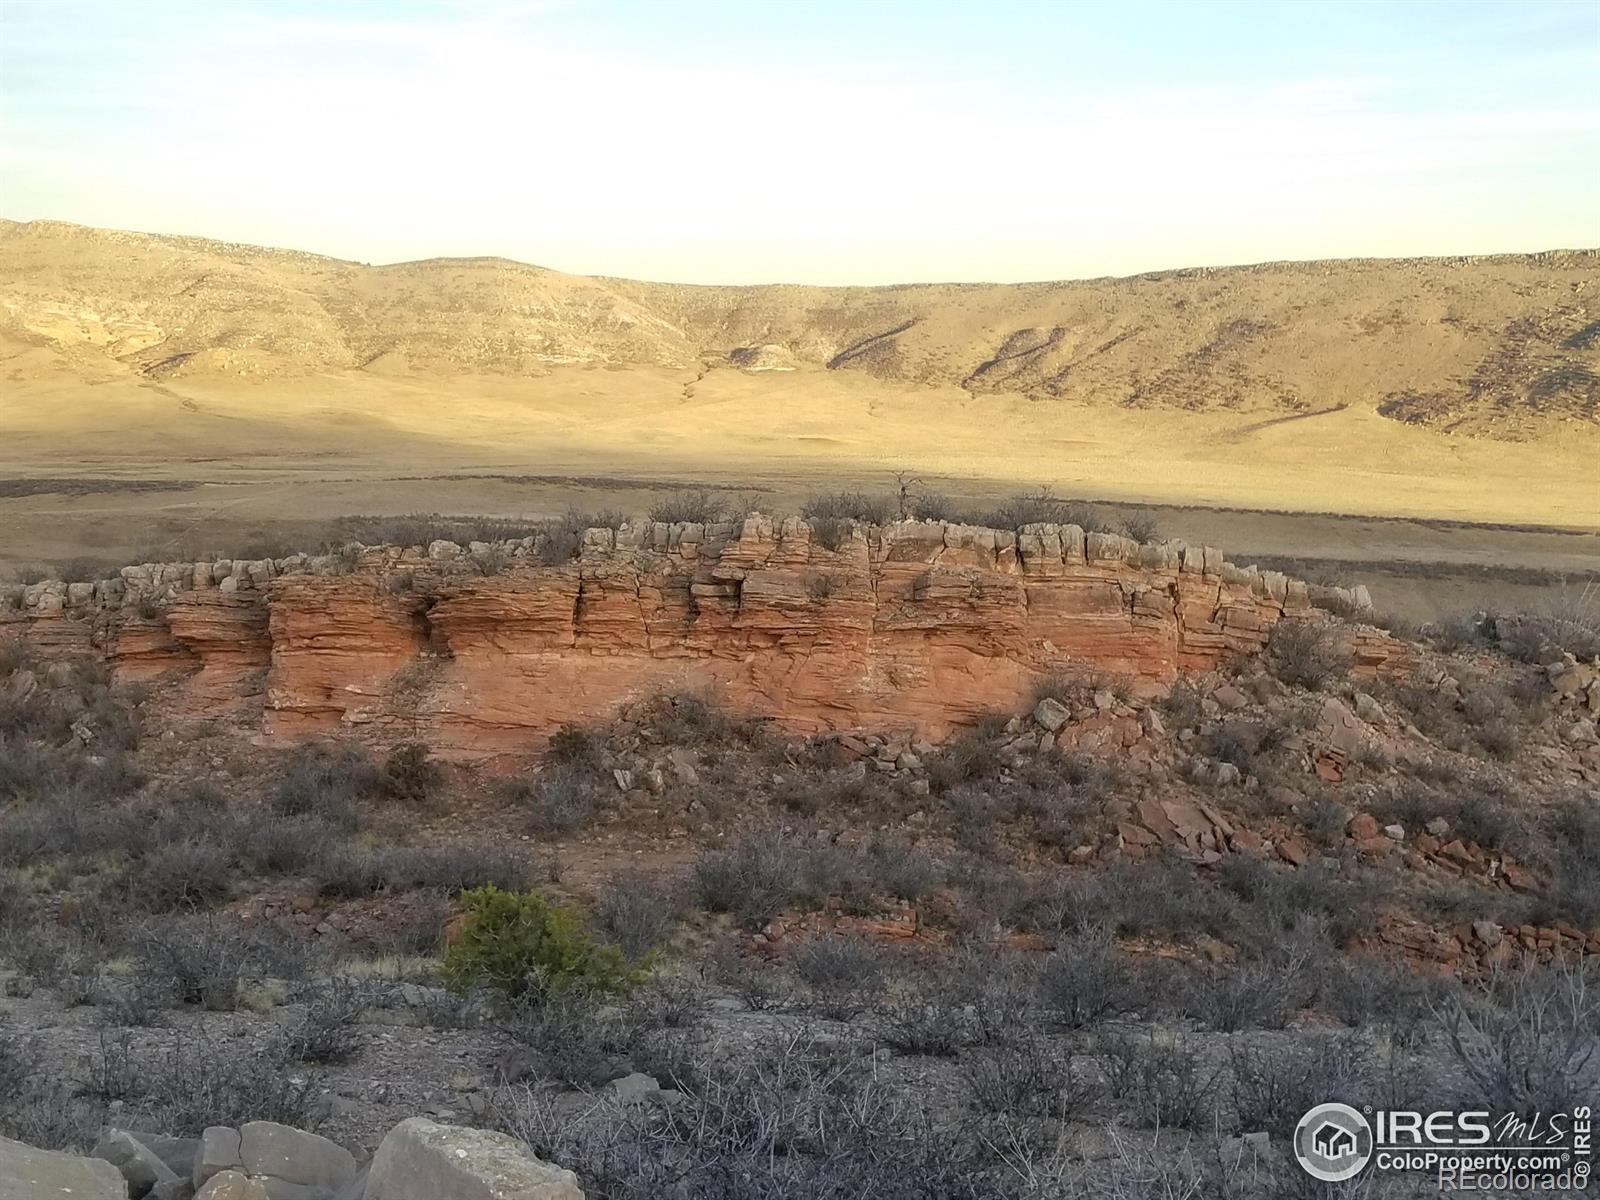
[{"x": 1506, "y": 347}]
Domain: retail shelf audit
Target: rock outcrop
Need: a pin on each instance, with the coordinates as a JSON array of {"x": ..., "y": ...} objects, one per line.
[
  {"x": 920, "y": 626},
  {"x": 767, "y": 357}
]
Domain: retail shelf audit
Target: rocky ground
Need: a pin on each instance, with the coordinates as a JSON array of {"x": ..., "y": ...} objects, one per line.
[{"x": 1103, "y": 946}]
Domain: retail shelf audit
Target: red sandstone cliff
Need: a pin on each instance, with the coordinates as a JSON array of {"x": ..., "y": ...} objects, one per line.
[{"x": 918, "y": 625}]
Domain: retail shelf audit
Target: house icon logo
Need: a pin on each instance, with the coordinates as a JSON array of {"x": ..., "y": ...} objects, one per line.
[{"x": 1333, "y": 1142}]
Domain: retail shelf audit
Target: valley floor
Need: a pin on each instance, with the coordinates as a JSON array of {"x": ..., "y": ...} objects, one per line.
[{"x": 102, "y": 464}]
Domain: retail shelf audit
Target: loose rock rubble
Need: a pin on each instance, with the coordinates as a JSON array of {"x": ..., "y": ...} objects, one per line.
[{"x": 1480, "y": 946}]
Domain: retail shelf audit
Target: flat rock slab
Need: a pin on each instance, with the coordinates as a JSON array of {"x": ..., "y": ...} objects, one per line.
[
  {"x": 29, "y": 1174},
  {"x": 295, "y": 1157},
  {"x": 422, "y": 1160}
]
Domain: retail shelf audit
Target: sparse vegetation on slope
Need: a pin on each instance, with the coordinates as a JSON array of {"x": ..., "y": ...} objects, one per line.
[{"x": 983, "y": 951}]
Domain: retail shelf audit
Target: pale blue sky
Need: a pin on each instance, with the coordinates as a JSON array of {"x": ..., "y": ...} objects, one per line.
[{"x": 863, "y": 142}]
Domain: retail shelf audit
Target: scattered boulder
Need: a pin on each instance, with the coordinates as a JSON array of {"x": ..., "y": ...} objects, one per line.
[
  {"x": 1230, "y": 698},
  {"x": 636, "y": 1088},
  {"x": 418, "y": 1160},
  {"x": 683, "y": 765},
  {"x": 1362, "y": 827},
  {"x": 1580, "y": 732},
  {"x": 1051, "y": 713},
  {"x": 422, "y": 1160},
  {"x": 1293, "y": 851}
]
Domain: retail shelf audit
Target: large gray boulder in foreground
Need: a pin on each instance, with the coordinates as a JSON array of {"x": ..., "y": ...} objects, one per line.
[
  {"x": 422, "y": 1160},
  {"x": 29, "y": 1174}
]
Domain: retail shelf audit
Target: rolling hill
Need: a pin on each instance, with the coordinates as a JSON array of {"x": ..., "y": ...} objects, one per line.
[{"x": 1504, "y": 347}]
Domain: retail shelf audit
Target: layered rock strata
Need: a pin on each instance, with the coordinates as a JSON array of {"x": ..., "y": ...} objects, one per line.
[{"x": 921, "y": 626}]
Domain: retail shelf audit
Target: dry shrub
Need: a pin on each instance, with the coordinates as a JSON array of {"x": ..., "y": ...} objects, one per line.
[
  {"x": 559, "y": 799},
  {"x": 326, "y": 781},
  {"x": 1088, "y": 982},
  {"x": 1160, "y": 1083},
  {"x": 695, "y": 506},
  {"x": 638, "y": 914},
  {"x": 1141, "y": 527},
  {"x": 1530, "y": 1040},
  {"x": 753, "y": 878},
  {"x": 844, "y": 975},
  {"x": 1040, "y": 507},
  {"x": 1307, "y": 654},
  {"x": 1273, "y": 1086},
  {"x": 410, "y": 774}
]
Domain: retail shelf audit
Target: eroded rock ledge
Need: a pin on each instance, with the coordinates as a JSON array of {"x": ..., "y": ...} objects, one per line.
[{"x": 915, "y": 625}]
